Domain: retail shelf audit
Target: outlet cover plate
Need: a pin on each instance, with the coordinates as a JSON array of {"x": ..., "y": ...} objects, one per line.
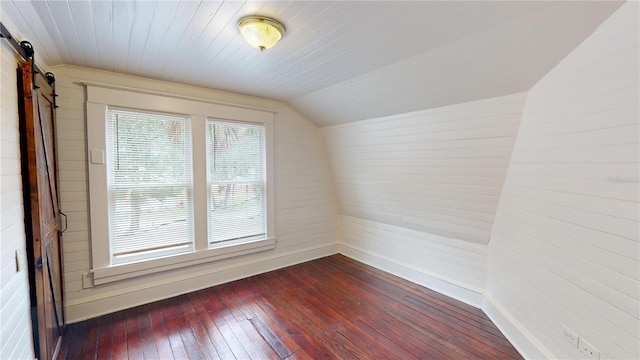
[
  {"x": 588, "y": 350},
  {"x": 570, "y": 336}
]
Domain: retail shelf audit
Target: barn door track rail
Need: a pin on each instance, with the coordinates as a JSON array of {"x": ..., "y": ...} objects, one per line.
[{"x": 27, "y": 52}]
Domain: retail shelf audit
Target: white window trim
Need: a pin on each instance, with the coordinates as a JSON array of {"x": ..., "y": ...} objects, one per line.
[{"x": 98, "y": 98}]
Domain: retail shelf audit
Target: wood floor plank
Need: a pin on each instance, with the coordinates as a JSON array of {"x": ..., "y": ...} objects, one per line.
[
  {"x": 282, "y": 316},
  {"x": 444, "y": 316},
  {"x": 134, "y": 347},
  {"x": 271, "y": 330},
  {"x": 329, "y": 308},
  {"x": 149, "y": 348},
  {"x": 199, "y": 301},
  {"x": 479, "y": 327},
  {"x": 89, "y": 349},
  {"x": 346, "y": 311},
  {"x": 359, "y": 268},
  {"x": 316, "y": 298},
  {"x": 105, "y": 339},
  {"x": 253, "y": 334},
  {"x": 243, "y": 339},
  {"x": 119, "y": 334},
  {"x": 270, "y": 338},
  {"x": 191, "y": 344},
  {"x": 215, "y": 309},
  {"x": 300, "y": 355},
  {"x": 169, "y": 311},
  {"x": 398, "y": 286},
  {"x": 429, "y": 345},
  {"x": 73, "y": 349},
  {"x": 160, "y": 332},
  {"x": 366, "y": 307},
  {"x": 349, "y": 349},
  {"x": 198, "y": 331},
  {"x": 235, "y": 308},
  {"x": 313, "y": 329}
]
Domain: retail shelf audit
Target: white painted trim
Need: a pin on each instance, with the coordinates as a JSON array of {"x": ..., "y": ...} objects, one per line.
[
  {"x": 131, "y": 270},
  {"x": 159, "y": 102},
  {"x": 125, "y": 298},
  {"x": 98, "y": 98},
  {"x": 93, "y": 306},
  {"x": 175, "y": 96},
  {"x": 452, "y": 288},
  {"x": 516, "y": 333}
]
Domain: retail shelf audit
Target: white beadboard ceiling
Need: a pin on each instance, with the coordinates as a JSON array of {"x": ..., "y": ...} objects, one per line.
[{"x": 340, "y": 61}]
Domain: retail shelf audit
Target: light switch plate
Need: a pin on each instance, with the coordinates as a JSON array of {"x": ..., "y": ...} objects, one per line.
[
  {"x": 97, "y": 156},
  {"x": 570, "y": 336}
]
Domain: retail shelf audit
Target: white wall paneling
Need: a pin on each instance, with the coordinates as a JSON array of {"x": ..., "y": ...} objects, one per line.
[
  {"x": 525, "y": 204},
  {"x": 306, "y": 223},
  {"x": 417, "y": 192},
  {"x": 564, "y": 248},
  {"x": 438, "y": 171}
]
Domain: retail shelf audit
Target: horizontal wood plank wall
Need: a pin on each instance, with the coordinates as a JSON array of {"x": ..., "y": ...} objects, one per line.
[
  {"x": 564, "y": 248},
  {"x": 15, "y": 316},
  {"x": 306, "y": 220},
  {"x": 418, "y": 192}
]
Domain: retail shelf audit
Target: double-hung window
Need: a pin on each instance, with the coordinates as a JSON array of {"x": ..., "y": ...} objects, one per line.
[
  {"x": 175, "y": 182},
  {"x": 148, "y": 158},
  {"x": 236, "y": 182}
]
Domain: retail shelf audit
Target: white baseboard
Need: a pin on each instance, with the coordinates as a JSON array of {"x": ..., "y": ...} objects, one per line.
[
  {"x": 90, "y": 307},
  {"x": 451, "y": 288},
  {"x": 93, "y": 306},
  {"x": 515, "y": 332}
]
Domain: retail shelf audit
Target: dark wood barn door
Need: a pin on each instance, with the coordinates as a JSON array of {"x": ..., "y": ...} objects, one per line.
[{"x": 37, "y": 119}]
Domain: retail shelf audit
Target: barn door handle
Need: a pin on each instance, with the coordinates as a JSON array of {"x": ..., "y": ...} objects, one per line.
[{"x": 65, "y": 222}]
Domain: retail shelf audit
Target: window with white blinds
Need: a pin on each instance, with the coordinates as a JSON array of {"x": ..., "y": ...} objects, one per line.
[
  {"x": 235, "y": 182},
  {"x": 149, "y": 184},
  {"x": 169, "y": 191}
]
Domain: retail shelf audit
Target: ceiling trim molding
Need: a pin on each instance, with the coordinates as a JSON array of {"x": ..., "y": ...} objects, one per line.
[{"x": 174, "y": 96}]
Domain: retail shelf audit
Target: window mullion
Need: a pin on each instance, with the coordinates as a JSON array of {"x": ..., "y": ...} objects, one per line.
[{"x": 200, "y": 206}]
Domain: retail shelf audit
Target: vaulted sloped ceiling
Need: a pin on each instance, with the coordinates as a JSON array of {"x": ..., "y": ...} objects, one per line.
[{"x": 339, "y": 62}]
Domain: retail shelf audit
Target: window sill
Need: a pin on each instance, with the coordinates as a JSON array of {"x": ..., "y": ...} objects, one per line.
[{"x": 219, "y": 252}]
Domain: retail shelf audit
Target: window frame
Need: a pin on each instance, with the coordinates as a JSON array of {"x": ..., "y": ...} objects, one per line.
[
  {"x": 261, "y": 182},
  {"x": 98, "y": 98},
  {"x": 178, "y": 248}
]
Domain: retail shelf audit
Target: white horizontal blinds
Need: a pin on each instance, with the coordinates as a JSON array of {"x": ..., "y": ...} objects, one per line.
[
  {"x": 149, "y": 184},
  {"x": 236, "y": 181}
]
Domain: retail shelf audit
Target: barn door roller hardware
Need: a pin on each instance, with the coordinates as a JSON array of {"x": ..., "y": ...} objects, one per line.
[
  {"x": 26, "y": 51},
  {"x": 27, "y": 48}
]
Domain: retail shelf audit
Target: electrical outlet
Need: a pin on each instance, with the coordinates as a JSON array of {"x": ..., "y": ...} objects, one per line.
[
  {"x": 589, "y": 350},
  {"x": 570, "y": 336}
]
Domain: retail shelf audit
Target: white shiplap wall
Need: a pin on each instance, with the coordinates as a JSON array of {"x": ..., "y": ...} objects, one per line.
[
  {"x": 565, "y": 248},
  {"x": 306, "y": 220},
  {"x": 418, "y": 191},
  {"x": 15, "y": 318}
]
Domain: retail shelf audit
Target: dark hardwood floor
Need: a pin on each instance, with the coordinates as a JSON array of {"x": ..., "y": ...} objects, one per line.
[{"x": 330, "y": 308}]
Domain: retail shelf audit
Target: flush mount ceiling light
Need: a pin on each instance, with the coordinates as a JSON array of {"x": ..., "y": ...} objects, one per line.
[{"x": 260, "y": 32}]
